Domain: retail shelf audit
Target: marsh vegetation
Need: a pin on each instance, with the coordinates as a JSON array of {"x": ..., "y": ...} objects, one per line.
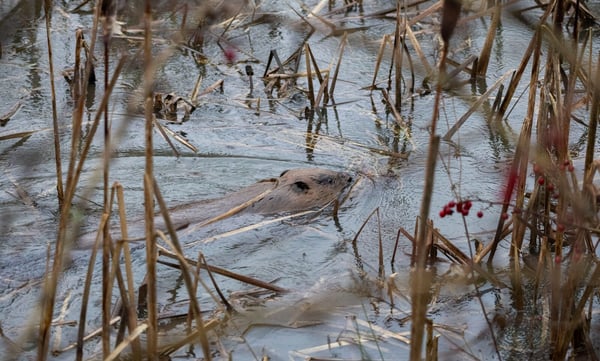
[{"x": 470, "y": 230}]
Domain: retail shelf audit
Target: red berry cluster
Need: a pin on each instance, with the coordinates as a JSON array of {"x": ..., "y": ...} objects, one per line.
[
  {"x": 567, "y": 165},
  {"x": 462, "y": 207}
]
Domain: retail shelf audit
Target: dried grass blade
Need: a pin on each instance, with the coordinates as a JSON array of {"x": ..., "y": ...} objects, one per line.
[
  {"x": 418, "y": 50},
  {"x": 87, "y": 287},
  {"x": 593, "y": 125},
  {"x": 486, "y": 51},
  {"x": 337, "y": 66},
  {"x": 475, "y": 106},
  {"x": 18, "y": 135},
  {"x": 311, "y": 90},
  {"x": 224, "y": 272},
  {"x": 151, "y": 254},
  {"x": 10, "y": 113},
  {"x": 121, "y": 346},
  {"x": 163, "y": 133},
  {"x": 185, "y": 272},
  {"x": 384, "y": 42}
]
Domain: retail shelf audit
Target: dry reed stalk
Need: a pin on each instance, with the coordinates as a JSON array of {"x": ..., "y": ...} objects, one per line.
[
  {"x": 397, "y": 56},
  {"x": 519, "y": 164},
  {"x": 223, "y": 272},
  {"x": 185, "y": 271},
  {"x": 378, "y": 60},
  {"x": 420, "y": 283},
  {"x": 339, "y": 63},
  {"x": 108, "y": 15},
  {"x": 381, "y": 272},
  {"x": 57, "y": 157},
  {"x": 131, "y": 316},
  {"x": 322, "y": 93},
  {"x": 522, "y": 151},
  {"x": 149, "y": 192},
  {"x": 202, "y": 264},
  {"x": 51, "y": 282},
  {"x": 417, "y": 46},
  {"x": 461, "y": 67},
  {"x": 399, "y": 120},
  {"x": 482, "y": 98},
  {"x": 311, "y": 90},
  {"x": 593, "y": 125},
  {"x": 133, "y": 336},
  {"x": 86, "y": 289},
  {"x": 486, "y": 51},
  {"x": 163, "y": 133},
  {"x": 520, "y": 70}
]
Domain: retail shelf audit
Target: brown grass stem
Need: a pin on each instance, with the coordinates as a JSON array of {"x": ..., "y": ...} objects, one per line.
[
  {"x": 482, "y": 98},
  {"x": 131, "y": 315},
  {"x": 224, "y": 272},
  {"x": 398, "y": 56},
  {"x": 311, "y": 90},
  {"x": 151, "y": 253},
  {"x": 57, "y": 156},
  {"x": 338, "y": 64},
  {"x": 486, "y": 51},
  {"x": 522, "y": 151},
  {"x": 382, "y": 47},
  {"x": 86, "y": 289},
  {"x": 593, "y": 125},
  {"x": 421, "y": 281},
  {"x": 51, "y": 282},
  {"x": 185, "y": 271}
]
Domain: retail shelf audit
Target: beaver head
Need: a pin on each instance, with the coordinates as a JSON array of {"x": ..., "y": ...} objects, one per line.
[{"x": 302, "y": 189}]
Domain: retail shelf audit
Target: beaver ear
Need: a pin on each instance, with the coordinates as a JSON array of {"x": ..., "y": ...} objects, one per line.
[
  {"x": 300, "y": 186},
  {"x": 284, "y": 172}
]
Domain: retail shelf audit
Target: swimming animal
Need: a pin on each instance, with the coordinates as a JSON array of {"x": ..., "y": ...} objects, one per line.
[{"x": 294, "y": 191}]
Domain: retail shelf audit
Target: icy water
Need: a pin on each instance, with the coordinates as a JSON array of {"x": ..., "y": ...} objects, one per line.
[{"x": 243, "y": 137}]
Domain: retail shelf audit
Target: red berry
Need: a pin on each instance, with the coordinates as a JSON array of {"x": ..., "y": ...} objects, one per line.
[
  {"x": 479, "y": 214},
  {"x": 468, "y": 205},
  {"x": 540, "y": 181},
  {"x": 465, "y": 212},
  {"x": 537, "y": 169},
  {"x": 504, "y": 216},
  {"x": 442, "y": 213},
  {"x": 571, "y": 168},
  {"x": 550, "y": 187},
  {"x": 557, "y": 259},
  {"x": 517, "y": 210},
  {"x": 451, "y": 204},
  {"x": 560, "y": 227},
  {"x": 459, "y": 207},
  {"x": 229, "y": 54},
  {"x": 566, "y": 162}
]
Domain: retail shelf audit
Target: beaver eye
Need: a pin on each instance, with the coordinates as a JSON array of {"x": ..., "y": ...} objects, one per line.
[
  {"x": 325, "y": 180},
  {"x": 301, "y": 186}
]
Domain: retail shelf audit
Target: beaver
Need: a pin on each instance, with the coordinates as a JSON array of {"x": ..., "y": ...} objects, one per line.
[{"x": 294, "y": 191}]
